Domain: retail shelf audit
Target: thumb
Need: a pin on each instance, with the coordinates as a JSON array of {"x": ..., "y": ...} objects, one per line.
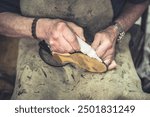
[
  {"x": 81, "y": 36},
  {"x": 95, "y": 44}
]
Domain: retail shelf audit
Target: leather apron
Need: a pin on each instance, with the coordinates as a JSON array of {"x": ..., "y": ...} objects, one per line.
[{"x": 91, "y": 15}]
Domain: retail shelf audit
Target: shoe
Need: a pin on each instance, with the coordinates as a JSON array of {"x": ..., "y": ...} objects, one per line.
[{"x": 81, "y": 60}]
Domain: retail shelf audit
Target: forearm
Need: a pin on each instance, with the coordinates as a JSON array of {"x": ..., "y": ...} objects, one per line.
[
  {"x": 130, "y": 14},
  {"x": 105, "y": 41},
  {"x": 59, "y": 34},
  {"x": 14, "y": 25}
]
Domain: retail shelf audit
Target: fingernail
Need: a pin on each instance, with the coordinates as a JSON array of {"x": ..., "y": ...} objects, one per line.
[{"x": 107, "y": 61}]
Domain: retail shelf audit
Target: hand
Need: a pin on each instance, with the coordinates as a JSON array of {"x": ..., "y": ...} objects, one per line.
[
  {"x": 61, "y": 35},
  {"x": 104, "y": 44}
]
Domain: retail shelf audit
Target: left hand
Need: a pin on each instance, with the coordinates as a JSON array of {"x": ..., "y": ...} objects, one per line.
[{"x": 104, "y": 44}]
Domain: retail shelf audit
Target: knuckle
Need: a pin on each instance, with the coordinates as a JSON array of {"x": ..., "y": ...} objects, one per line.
[
  {"x": 98, "y": 36},
  {"x": 109, "y": 44},
  {"x": 61, "y": 25},
  {"x": 112, "y": 51},
  {"x": 72, "y": 40},
  {"x": 54, "y": 35},
  {"x": 70, "y": 50},
  {"x": 80, "y": 29},
  {"x": 51, "y": 43}
]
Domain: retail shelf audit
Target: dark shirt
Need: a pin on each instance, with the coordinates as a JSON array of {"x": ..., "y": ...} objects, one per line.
[
  {"x": 118, "y": 5},
  {"x": 10, "y": 6},
  {"x": 14, "y": 5}
]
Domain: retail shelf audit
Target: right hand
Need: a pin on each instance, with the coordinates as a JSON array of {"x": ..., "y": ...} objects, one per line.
[
  {"x": 61, "y": 35},
  {"x": 104, "y": 44}
]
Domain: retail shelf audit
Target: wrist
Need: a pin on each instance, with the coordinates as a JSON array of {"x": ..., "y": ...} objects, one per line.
[
  {"x": 42, "y": 28},
  {"x": 113, "y": 32},
  {"x": 120, "y": 32}
]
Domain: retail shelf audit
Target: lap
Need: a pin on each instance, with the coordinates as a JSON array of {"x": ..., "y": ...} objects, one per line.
[{"x": 37, "y": 80}]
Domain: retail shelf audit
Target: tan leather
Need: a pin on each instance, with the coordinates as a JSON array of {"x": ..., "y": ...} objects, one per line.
[{"x": 82, "y": 60}]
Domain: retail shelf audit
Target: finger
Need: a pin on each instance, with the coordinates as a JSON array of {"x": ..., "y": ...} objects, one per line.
[
  {"x": 71, "y": 38},
  {"x": 60, "y": 45},
  {"x": 65, "y": 45},
  {"x": 95, "y": 44},
  {"x": 78, "y": 30},
  {"x": 102, "y": 49},
  {"x": 108, "y": 59},
  {"x": 108, "y": 53},
  {"x": 81, "y": 36},
  {"x": 112, "y": 65},
  {"x": 107, "y": 62},
  {"x": 62, "y": 49}
]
